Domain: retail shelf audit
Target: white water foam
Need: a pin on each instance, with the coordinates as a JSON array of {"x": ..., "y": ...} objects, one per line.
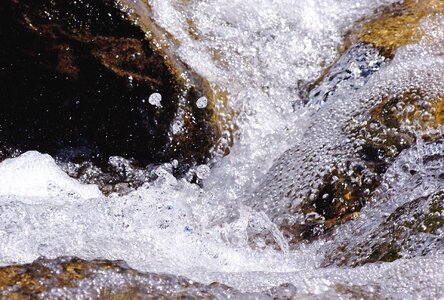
[{"x": 37, "y": 175}]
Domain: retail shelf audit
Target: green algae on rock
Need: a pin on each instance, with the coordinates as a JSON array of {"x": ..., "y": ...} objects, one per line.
[
  {"x": 415, "y": 228},
  {"x": 76, "y": 82}
]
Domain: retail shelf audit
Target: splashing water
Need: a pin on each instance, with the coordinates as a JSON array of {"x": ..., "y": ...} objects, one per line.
[{"x": 264, "y": 53}]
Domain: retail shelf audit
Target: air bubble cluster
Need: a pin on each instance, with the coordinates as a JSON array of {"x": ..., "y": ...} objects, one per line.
[{"x": 351, "y": 141}]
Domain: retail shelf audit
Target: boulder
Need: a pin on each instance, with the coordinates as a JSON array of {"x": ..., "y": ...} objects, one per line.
[
  {"x": 82, "y": 81},
  {"x": 71, "y": 277}
]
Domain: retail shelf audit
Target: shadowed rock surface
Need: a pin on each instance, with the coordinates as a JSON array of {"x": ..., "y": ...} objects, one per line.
[{"x": 76, "y": 80}]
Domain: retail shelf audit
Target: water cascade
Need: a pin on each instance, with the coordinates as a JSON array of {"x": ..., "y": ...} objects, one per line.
[{"x": 298, "y": 151}]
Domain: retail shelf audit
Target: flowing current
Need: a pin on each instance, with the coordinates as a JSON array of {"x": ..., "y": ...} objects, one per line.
[{"x": 264, "y": 53}]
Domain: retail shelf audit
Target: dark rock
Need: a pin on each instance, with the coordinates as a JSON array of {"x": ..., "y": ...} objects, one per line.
[{"x": 75, "y": 79}]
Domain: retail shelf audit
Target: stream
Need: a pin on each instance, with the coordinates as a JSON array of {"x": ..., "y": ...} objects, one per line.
[{"x": 265, "y": 53}]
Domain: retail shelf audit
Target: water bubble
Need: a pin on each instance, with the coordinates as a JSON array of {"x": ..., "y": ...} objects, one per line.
[
  {"x": 203, "y": 171},
  {"x": 155, "y": 99},
  {"x": 202, "y": 102},
  {"x": 176, "y": 127},
  {"x": 272, "y": 44}
]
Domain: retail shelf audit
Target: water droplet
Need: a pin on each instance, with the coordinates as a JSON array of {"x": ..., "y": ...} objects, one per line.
[
  {"x": 155, "y": 99},
  {"x": 202, "y": 102},
  {"x": 203, "y": 171}
]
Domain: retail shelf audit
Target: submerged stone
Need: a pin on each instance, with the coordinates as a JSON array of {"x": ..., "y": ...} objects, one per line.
[
  {"x": 306, "y": 205},
  {"x": 399, "y": 25},
  {"x": 334, "y": 170},
  {"x": 374, "y": 44},
  {"x": 354, "y": 68},
  {"x": 416, "y": 228},
  {"x": 77, "y": 80}
]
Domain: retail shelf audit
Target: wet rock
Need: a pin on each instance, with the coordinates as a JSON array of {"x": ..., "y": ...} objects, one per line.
[
  {"x": 121, "y": 175},
  {"x": 283, "y": 291},
  {"x": 404, "y": 216},
  {"x": 354, "y": 68},
  {"x": 358, "y": 292},
  {"x": 76, "y": 81},
  {"x": 413, "y": 229},
  {"x": 306, "y": 205},
  {"x": 399, "y": 25},
  {"x": 332, "y": 173},
  {"x": 373, "y": 45},
  {"x": 70, "y": 277}
]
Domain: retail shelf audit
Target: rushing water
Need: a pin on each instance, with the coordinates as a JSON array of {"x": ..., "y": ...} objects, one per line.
[{"x": 264, "y": 53}]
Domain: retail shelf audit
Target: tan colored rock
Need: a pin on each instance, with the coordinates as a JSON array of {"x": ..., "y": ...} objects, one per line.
[
  {"x": 69, "y": 277},
  {"x": 400, "y": 25}
]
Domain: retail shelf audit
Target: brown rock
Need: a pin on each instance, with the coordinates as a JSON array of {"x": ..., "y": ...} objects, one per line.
[
  {"x": 70, "y": 277},
  {"x": 392, "y": 127},
  {"x": 327, "y": 179},
  {"x": 75, "y": 82},
  {"x": 399, "y": 25}
]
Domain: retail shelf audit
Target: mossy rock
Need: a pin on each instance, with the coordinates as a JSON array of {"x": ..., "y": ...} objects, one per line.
[
  {"x": 76, "y": 78},
  {"x": 307, "y": 199},
  {"x": 391, "y": 126},
  {"x": 394, "y": 123},
  {"x": 75, "y": 278},
  {"x": 414, "y": 229}
]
